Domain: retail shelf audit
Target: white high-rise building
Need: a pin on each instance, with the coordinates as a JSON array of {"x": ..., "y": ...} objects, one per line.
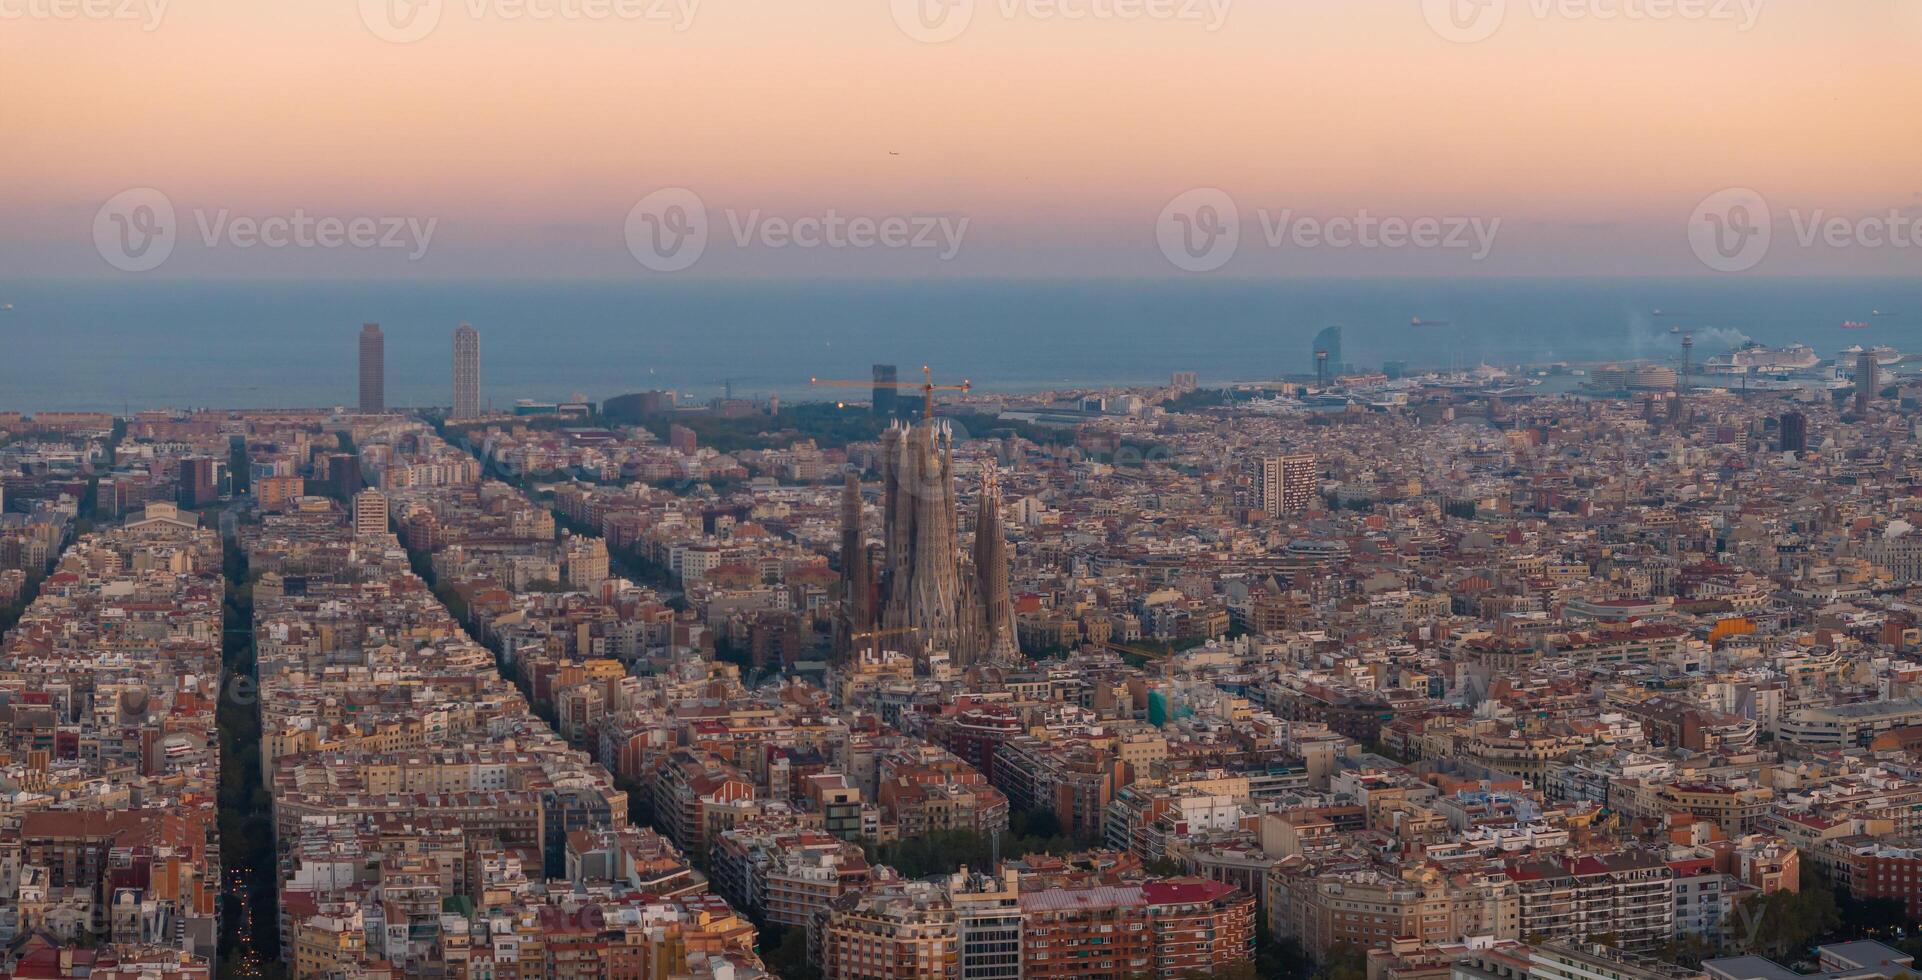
[
  {"x": 1283, "y": 484},
  {"x": 370, "y": 513},
  {"x": 988, "y": 924}
]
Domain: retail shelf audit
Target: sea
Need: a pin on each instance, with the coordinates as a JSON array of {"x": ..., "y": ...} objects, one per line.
[{"x": 127, "y": 345}]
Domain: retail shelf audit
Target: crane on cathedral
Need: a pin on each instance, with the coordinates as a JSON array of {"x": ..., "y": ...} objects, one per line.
[
  {"x": 926, "y": 387},
  {"x": 943, "y": 599}
]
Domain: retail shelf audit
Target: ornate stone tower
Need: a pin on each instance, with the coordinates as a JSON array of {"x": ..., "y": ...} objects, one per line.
[
  {"x": 924, "y": 585},
  {"x": 857, "y": 568},
  {"x": 955, "y": 606},
  {"x": 991, "y": 571}
]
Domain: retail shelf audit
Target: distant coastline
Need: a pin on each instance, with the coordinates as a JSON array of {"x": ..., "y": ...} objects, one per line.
[{"x": 129, "y": 344}]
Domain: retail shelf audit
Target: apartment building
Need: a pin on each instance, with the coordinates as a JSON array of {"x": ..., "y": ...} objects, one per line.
[{"x": 1627, "y": 894}]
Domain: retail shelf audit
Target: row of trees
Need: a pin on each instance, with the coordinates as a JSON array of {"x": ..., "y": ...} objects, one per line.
[
  {"x": 250, "y": 934},
  {"x": 940, "y": 852},
  {"x": 1786, "y": 926},
  {"x": 11, "y": 613}
]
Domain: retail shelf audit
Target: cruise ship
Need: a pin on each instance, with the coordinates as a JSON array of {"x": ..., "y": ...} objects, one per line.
[
  {"x": 1885, "y": 356},
  {"x": 1635, "y": 377},
  {"x": 1754, "y": 358}
]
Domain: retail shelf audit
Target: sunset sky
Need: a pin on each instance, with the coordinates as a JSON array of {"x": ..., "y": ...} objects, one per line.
[{"x": 1060, "y": 141}]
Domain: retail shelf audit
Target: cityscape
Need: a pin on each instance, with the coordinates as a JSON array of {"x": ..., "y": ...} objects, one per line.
[
  {"x": 960, "y": 490},
  {"x": 1562, "y": 672}
]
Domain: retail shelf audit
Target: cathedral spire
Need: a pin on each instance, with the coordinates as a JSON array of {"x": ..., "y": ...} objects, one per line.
[
  {"x": 991, "y": 570},
  {"x": 857, "y": 569}
]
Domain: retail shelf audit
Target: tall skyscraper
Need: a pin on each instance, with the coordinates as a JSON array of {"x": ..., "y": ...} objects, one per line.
[
  {"x": 1679, "y": 410},
  {"x": 343, "y": 471},
  {"x": 1865, "y": 381},
  {"x": 199, "y": 482},
  {"x": 1326, "y": 354},
  {"x": 1282, "y": 484},
  {"x": 1794, "y": 432},
  {"x": 373, "y": 370},
  {"x": 886, "y": 398},
  {"x": 466, "y": 372}
]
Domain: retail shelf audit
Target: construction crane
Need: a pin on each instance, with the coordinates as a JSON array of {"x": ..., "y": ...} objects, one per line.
[
  {"x": 927, "y": 387},
  {"x": 875, "y": 648}
]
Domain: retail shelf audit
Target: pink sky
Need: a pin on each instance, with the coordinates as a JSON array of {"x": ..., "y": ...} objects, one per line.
[{"x": 1060, "y": 140}]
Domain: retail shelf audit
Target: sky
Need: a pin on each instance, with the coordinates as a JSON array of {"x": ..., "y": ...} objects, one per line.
[{"x": 629, "y": 139}]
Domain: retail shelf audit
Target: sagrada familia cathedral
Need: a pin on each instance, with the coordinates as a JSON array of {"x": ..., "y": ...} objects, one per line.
[{"x": 924, "y": 596}]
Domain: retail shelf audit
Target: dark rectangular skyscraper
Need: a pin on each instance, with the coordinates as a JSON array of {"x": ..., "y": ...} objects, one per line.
[
  {"x": 466, "y": 372},
  {"x": 1795, "y": 432},
  {"x": 199, "y": 482},
  {"x": 343, "y": 471},
  {"x": 885, "y": 375},
  {"x": 373, "y": 370},
  {"x": 1865, "y": 381}
]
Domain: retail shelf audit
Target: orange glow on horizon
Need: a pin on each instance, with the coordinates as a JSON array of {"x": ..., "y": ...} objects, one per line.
[{"x": 1055, "y": 137}]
